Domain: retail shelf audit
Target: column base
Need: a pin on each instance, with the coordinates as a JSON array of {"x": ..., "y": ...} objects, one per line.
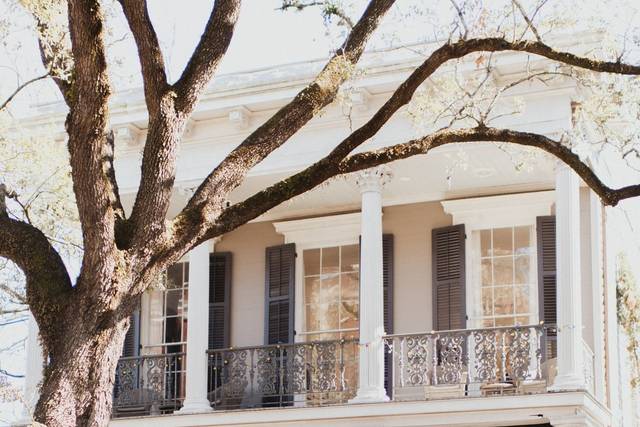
[
  {"x": 568, "y": 383},
  {"x": 370, "y": 396},
  {"x": 195, "y": 407}
]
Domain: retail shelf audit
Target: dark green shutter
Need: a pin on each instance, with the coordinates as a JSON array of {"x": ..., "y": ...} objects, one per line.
[
  {"x": 279, "y": 294},
  {"x": 387, "y": 283},
  {"x": 131, "y": 346},
  {"x": 219, "y": 300},
  {"x": 546, "y": 234},
  {"x": 448, "y": 273}
]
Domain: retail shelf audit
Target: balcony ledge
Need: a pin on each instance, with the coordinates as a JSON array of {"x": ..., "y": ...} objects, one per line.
[{"x": 561, "y": 408}]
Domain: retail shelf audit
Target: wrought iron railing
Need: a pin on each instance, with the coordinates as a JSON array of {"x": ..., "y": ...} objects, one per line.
[
  {"x": 301, "y": 374},
  {"x": 470, "y": 362},
  {"x": 149, "y": 385}
]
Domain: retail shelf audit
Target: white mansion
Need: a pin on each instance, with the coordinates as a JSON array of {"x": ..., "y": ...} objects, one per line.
[{"x": 498, "y": 284}]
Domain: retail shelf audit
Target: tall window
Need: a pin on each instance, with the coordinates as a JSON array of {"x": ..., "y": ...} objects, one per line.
[
  {"x": 507, "y": 275},
  {"x": 168, "y": 317},
  {"x": 331, "y": 292}
]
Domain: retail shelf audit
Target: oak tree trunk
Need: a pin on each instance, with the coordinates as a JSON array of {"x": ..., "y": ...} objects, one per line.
[{"x": 77, "y": 389}]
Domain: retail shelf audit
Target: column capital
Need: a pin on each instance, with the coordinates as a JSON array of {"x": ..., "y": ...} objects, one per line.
[{"x": 374, "y": 179}]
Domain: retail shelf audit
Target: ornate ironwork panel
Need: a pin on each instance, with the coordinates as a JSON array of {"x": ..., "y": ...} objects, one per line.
[
  {"x": 313, "y": 373},
  {"x": 469, "y": 362},
  {"x": 149, "y": 385}
]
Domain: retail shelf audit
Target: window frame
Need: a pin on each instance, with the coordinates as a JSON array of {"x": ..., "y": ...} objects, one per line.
[
  {"x": 481, "y": 213},
  {"x": 316, "y": 233}
]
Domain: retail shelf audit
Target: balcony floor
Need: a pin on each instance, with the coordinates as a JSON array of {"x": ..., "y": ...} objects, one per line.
[{"x": 565, "y": 408}]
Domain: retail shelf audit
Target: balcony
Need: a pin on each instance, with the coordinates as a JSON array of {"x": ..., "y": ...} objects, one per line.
[{"x": 425, "y": 366}]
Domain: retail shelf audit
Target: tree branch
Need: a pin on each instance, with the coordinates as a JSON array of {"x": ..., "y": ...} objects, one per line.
[
  {"x": 54, "y": 51},
  {"x": 319, "y": 172},
  {"x": 149, "y": 52},
  {"x": 207, "y": 56},
  {"x": 195, "y": 215},
  {"x": 166, "y": 125},
  {"x": 48, "y": 283},
  {"x": 209, "y": 197},
  {"x": 528, "y": 20},
  {"x": 328, "y": 8},
  {"x": 17, "y": 90},
  {"x": 86, "y": 126}
]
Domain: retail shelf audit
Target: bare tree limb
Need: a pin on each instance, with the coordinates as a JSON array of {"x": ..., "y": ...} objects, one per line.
[
  {"x": 200, "y": 210},
  {"x": 149, "y": 52},
  {"x": 18, "y": 297},
  {"x": 147, "y": 221},
  {"x": 86, "y": 126},
  {"x": 328, "y": 9},
  {"x": 526, "y": 18},
  {"x": 210, "y": 195},
  {"x": 207, "y": 56},
  {"x": 21, "y": 87},
  {"x": 461, "y": 17},
  {"x": 314, "y": 175},
  {"x": 48, "y": 284}
]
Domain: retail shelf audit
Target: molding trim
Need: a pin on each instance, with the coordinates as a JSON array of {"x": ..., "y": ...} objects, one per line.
[
  {"x": 497, "y": 211},
  {"x": 481, "y": 411},
  {"x": 323, "y": 231}
]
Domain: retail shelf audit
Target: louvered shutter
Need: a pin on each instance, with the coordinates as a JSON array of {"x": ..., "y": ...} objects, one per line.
[
  {"x": 387, "y": 281},
  {"x": 546, "y": 234},
  {"x": 448, "y": 272},
  {"x": 279, "y": 294},
  {"x": 131, "y": 346},
  {"x": 219, "y": 300}
]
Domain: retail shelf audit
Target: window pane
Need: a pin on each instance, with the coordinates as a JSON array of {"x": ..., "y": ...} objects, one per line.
[
  {"x": 487, "y": 301},
  {"x": 311, "y": 259},
  {"x": 349, "y": 312},
  {"x": 350, "y": 286},
  {"x": 312, "y": 289},
  {"x": 485, "y": 243},
  {"x": 173, "y": 302},
  {"x": 503, "y": 300},
  {"x": 503, "y": 271},
  {"x": 523, "y": 270},
  {"x": 505, "y": 321},
  {"x": 174, "y": 276},
  {"x": 523, "y": 320},
  {"x": 313, "y": 316},
  {"x": 487, "y": 280},
  {"x": 350, "y": 258},
  {"x": 330, "y": 318},
  {"x": 502, "y": 241},
  {"x": 184, "y": 303},
  {"x": 522, "y": 240},
  {"x": 173, "y": 328},
  {"x": 522, "y": 299},
  {"x": 330, "y": 289},
  {"x": 330, "y": 260}
]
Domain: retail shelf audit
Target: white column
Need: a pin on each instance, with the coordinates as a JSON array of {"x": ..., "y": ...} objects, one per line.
[
  {"x": 197, "y": 331},
  {"x": 371, "y": 369},
  {"x": 569, "y": 287},
  {"x": 597, "y": 283}
]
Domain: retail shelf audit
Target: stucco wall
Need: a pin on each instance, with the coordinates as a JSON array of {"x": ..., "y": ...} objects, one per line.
[
  {"x": 247, "y": 244},
  {"x": 411, "y": 226}
]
